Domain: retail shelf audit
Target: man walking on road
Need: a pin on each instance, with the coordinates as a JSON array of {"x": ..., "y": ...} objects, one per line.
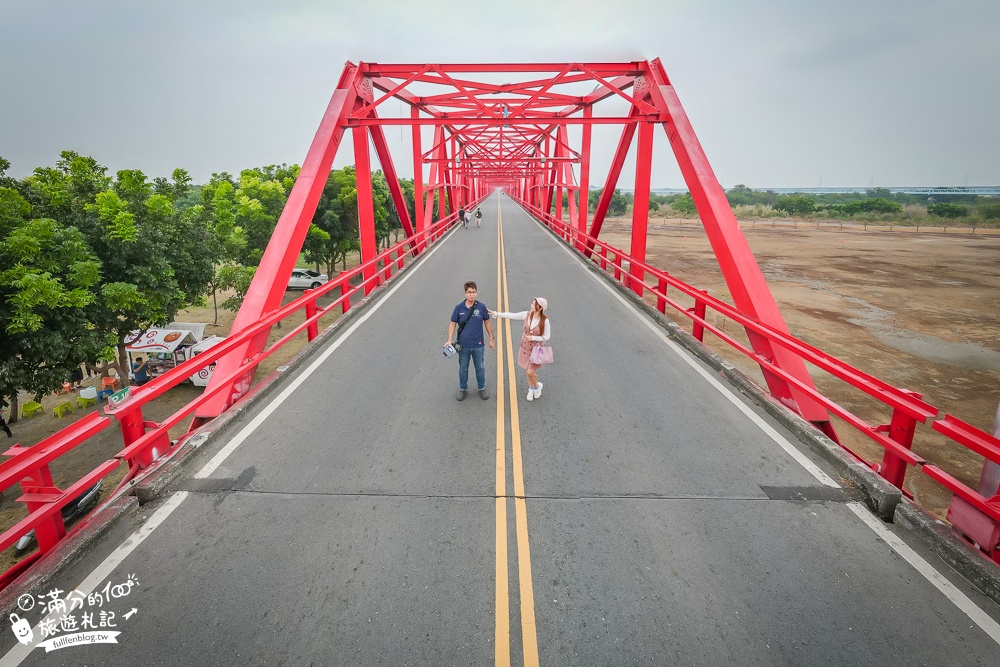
[{"x": 469, "y": 317}]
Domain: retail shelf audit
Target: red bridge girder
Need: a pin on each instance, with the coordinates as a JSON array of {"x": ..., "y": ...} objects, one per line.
[{"x": 505, "y": 126}]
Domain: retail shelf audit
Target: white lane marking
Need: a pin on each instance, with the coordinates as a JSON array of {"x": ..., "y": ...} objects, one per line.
[
  {"x": 957, "y": 597},
  {"x": 231, "y": 446},
  {"x": 17, "y": 654},
  {"x": 791, "y": 450}
]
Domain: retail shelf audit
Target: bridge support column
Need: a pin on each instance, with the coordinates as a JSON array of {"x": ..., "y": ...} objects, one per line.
[
  {"x": 640, "y": 207},
  {"x": 420, "y": 223},
  {"x": 581, "y": 222},
  {"x": 366, "y": 207}
]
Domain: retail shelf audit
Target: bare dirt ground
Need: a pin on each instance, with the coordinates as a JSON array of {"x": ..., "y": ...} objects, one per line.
[{"x": 917, "y": 309}]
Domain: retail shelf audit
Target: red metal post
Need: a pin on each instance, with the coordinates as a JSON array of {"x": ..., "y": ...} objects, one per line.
[
  {"x": 560, "y": 176},
  {"x": 661, "y": 298},
  {"x": 697, "y": 328},
  {"x": 640, "y": 208},
  {"x": 366, "y": 206},
  {"x": 901, "y": 429},
  {"x": 418, "y": 176},
  {"x": 39, "y": 482},
  {"x": 313, "y": 329},
  {"x": 581, "y": 223}
]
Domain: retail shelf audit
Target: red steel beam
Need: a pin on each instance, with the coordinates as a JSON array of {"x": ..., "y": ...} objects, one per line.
[
  {"x": 269, "y": 283},
  {"x": 739, "y": 267}
]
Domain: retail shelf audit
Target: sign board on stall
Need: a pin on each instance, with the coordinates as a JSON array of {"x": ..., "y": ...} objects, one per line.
[{"x": 120, "y": 397}]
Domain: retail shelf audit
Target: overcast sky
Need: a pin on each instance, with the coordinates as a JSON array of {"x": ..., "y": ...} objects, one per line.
[{"x": 782, "y": 93}]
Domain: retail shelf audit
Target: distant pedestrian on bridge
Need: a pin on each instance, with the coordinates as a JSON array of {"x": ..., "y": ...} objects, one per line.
[
  {"x": 470, "y": 316},
  {"x": 537, "y": 330},
  {"x": 479, "y": 218},
  {"x": 461, "y": 216}
]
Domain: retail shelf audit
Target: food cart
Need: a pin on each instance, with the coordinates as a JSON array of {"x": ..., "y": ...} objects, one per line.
[
  {"x": 200, "y": 378},
  {"x": 163, "y": 348}
]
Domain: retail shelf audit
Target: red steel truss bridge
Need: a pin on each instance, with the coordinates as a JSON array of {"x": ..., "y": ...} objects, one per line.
[{"x": 652, "y": 505}]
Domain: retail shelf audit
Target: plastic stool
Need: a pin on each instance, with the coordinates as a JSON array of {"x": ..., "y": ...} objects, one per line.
[
  {"x": 30, "y": 409},
  {"x": 62, "y": 409},
  {"x": 101, "y": 395},
  {"x": 84, "y": 401},
  {"x": 109, "y": 383}
]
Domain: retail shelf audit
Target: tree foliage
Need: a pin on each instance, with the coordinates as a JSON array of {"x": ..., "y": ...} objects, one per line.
[
  {"x": 683, "y": 204},
  {"x": 154, "y": 260},
  {"x": 946, "y": 210},
  {"x": 990, "y": 211},
  {"x": 795, "y": 205},
  {"x": 47, "y": 273}
]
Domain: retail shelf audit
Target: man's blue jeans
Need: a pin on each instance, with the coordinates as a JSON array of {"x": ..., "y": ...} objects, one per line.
[{"x": 463, "y": 366}]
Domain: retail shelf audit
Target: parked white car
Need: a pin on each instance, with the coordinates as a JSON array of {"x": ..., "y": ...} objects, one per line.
[{"x": 306, "y": 279}]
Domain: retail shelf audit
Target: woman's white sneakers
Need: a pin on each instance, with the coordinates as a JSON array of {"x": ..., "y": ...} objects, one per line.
[{"x": 534, "y": 393}]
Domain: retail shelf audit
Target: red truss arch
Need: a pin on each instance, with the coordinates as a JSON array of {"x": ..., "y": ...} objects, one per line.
[{"x": 506, "y": 126}]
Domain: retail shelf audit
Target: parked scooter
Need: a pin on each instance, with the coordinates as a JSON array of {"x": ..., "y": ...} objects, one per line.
[{"x": 76, "y": 507}]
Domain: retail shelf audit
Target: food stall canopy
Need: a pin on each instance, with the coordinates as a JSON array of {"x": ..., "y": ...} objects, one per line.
[
  {"x": 197, "y": 329},
  {"x": 161, "y": 341}
]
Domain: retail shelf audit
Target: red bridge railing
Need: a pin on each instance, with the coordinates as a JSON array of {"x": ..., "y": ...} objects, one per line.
[
  {"x": 146, "y": 442},
  {"x": 907, "y": 408}
]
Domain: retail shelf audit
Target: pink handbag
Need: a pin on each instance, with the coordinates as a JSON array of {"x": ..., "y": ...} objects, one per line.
[{"x": 540, "y": 355}]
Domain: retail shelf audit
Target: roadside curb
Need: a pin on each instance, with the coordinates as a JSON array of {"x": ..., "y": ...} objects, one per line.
[
  {"x": 950, "y": 548},
  {"x": 39, "y": 575},
  {"x": 883, "y": 499}
]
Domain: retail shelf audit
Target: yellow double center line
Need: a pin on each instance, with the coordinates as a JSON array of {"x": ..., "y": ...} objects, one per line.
[{"x": 529, "y": 639}]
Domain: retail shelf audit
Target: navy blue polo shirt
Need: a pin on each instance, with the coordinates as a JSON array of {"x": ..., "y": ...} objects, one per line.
[{"x": 472, "y": 334}]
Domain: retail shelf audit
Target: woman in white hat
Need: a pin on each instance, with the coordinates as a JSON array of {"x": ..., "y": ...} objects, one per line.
[{"x": 537, "y": 330}]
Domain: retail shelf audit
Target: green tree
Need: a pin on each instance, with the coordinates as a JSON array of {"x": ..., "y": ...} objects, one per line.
[
  {"x": 877, "y": 205},
  {"x": 47, "y": 274},
  {"x": 741, "y": 195},
  {"x": 945, "y": 210},
  {"x": 337, "y": 217},
  {"x": 989, "y": 211},
  {"x": 227, "y": 240},
  {"x": 795, "y": 204},
  {"x": 152, "y": 259},
  {"x": 384, "y": 210},
  {"x": 683, "y": 204},
  {"x": 618, "y": 205},
  {"x": 237, "y": 278}
]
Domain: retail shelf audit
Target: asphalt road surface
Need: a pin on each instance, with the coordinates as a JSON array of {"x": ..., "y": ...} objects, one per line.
[{"x": 636, "y": 514}]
